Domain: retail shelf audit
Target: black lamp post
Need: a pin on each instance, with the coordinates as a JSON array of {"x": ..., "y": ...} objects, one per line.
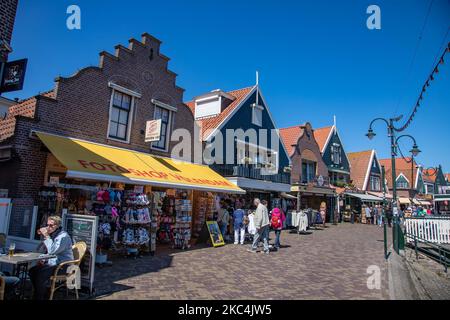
[{"x": 394, "y": 147}]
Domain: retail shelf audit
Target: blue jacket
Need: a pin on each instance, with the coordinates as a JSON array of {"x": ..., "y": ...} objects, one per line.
[{"x": 238, "y": 217}]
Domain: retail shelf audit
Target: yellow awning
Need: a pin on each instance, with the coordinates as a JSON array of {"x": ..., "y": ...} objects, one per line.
[{"x": 88, "y": 160}]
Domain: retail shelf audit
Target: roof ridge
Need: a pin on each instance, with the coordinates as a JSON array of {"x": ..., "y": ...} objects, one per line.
[{"x": 297, "y": 126}]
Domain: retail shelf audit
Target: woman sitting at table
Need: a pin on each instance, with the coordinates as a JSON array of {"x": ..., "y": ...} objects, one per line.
[{"x": 55, "y": 242}]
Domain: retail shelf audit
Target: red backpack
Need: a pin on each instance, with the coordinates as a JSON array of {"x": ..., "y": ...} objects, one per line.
[{"x": 275, "y": 221}]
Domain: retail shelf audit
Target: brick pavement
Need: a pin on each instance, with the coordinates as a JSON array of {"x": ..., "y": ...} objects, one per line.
[{"x": 327, "y": 264}]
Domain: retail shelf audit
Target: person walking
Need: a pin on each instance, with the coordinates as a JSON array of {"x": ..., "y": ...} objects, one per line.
[
  {"x": 375, "y": 214},
  {"x": 262, "y": 227},
  {"x": 389, "y": 215},
  {"x": 368, "y": 216},
  {"x": 222, "y": 220},
  {"x": 276, "y": 223},
  {"x": 238, "y": 224}
]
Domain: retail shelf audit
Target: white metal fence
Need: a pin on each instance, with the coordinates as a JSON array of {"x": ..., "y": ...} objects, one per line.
[{"x": 431, "y": 229}]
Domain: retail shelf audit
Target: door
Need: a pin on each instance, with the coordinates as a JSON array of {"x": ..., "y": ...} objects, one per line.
[{"x": 5, "y": 208}]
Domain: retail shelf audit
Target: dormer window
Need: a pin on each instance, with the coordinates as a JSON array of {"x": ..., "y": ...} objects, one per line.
[
  {"x": 212, "y": 104},
  {"x": 257, "y": 115}
]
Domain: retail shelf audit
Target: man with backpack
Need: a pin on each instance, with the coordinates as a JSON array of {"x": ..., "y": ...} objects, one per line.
[{"x": 276, "y": 223}]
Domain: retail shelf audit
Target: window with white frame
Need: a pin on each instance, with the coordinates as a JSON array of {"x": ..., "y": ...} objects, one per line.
[
  {"x": 165, "y": 115},
  {"x": 120, "y": 116},
  {"x": 402, "y": 183},
  {"x": 429, "y": 189},
  {"x": 257, "y": 115},
  {"x": 336, "y": 153},
  {"x": 375, "y": 183}
]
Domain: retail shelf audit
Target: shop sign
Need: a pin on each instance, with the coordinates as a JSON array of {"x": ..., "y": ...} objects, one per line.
[
  {"x": 320, "y": 181},
  {"x": 83, "y": 228},
  {"x": 153, "y": 130},
  {"x": 215, "y": 234},
  {"x": 54, "y": 181},
  {"x": 13, "y": 75}
]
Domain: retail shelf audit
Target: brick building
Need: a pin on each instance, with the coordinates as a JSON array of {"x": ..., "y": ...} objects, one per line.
[
  {"x": 8, "y": 9},
  {"x": 108, "y": 104},
  {"x": 309, "y": 173}
]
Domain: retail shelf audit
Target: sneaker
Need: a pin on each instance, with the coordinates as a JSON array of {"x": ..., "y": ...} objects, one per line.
[
  {"x": 267, "y": 252},
  {"x": 235, "y": 243}
]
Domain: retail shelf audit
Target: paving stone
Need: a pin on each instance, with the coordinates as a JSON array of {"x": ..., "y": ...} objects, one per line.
[{"x": 327, "y": 264}]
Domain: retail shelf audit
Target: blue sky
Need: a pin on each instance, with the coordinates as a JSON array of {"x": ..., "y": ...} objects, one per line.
[{"x": 316, "y": 58}]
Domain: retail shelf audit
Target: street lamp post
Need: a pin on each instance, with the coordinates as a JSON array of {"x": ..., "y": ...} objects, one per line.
[{"x": 414, "y": 151}]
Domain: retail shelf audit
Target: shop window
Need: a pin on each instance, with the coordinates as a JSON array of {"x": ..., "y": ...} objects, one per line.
[
  {"x": 165, "y": 116},
  {"x": 119, "y": 120}
]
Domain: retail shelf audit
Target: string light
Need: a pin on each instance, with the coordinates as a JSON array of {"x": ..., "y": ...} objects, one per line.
[{"x": 427, "y": 84}]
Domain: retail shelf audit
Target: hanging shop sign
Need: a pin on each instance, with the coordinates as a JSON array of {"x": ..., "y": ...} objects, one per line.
[
  {"x": 13, "y": 75},
  {"x": 153, "y": 130},
  {"x": 83, "y": 228},
  {"x": 215, "y": 234},
  {"x": 54, "y": 181}
]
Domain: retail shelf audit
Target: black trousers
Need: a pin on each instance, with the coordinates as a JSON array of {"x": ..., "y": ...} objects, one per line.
[{"x": 40, "y": 276}]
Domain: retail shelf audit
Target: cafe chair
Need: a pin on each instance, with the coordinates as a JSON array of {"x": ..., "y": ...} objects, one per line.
[
  {"x": 2, "y": 288},
  {"x": 79, "y": 249}
]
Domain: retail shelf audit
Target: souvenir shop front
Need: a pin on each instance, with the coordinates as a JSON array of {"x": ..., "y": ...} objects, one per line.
[
  {"x": 140, "y": 200},
  {"x": 314, "y": 198},
  {"x": 354, "y": 204}
]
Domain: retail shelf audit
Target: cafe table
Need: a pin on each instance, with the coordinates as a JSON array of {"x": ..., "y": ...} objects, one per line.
[{"x": 21, "y": 262}]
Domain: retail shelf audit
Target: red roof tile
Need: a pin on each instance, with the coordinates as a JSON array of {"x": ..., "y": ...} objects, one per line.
[
  {"x": 290, "y": 137},
  {"x": 212, "y": 123},
  {"x": 428, "y": 175},
  {"x": 321, "y": 136},
  {"x": 359, "y": 162},
  {"x": 25, "y": 108}
]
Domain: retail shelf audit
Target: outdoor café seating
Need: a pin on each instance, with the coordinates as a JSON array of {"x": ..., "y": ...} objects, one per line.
[{"x": 60, "y": 280}]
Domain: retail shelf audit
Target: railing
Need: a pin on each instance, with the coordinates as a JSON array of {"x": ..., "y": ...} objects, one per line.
[
  {"x": 442, "y": 252},
  {"x": 435, "y": 229},
  {"x": 318, "y": 181},
  {"x": 251, "y": 173}
]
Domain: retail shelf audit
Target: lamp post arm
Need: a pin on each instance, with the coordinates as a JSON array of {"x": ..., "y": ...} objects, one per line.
[
  {"x": 376, "y": 119},
  {"x": 405, "y": 135}
]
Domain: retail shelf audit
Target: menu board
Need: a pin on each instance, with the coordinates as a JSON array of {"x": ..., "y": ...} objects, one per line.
[{"x": 83, "y": 228}]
